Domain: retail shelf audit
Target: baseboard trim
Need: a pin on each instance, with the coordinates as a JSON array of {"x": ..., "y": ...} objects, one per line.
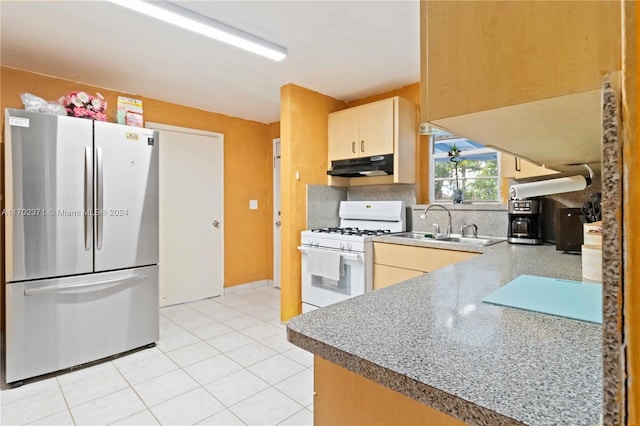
[{"x": 247, "y": 286}]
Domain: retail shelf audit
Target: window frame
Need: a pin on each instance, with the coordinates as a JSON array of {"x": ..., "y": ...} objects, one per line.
[{"x": 478, "y": 151}]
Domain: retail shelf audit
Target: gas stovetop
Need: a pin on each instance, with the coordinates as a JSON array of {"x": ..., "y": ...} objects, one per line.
[{"x": 352, "y": 231}]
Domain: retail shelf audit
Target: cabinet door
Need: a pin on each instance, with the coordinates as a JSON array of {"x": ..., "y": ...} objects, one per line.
[
  {"x": 376, "y": 128},
  {"x": 342, "y": 397},
  {"x": 343, "y": 134},
  {"x": 518, "y": 168},
  {"x": 384, "y": 276}
]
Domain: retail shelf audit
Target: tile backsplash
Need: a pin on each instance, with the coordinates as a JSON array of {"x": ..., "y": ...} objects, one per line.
[
  {"x": 323, "y": 201},
  {"x": 395, "y": 192},
  {"x": 491, "y": 219}
]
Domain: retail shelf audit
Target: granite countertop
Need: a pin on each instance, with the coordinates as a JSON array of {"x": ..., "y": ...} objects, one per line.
[{"x": 432, "y": 339}]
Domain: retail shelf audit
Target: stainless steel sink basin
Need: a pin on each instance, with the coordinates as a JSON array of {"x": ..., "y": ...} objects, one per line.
[{"x": 480, "y": 241}]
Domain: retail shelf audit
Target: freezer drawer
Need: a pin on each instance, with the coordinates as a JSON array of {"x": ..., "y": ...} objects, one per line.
[{"x": 59, "y": 323}]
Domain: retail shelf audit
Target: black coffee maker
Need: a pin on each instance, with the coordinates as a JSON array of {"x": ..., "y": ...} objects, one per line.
[{"x": 525, "y": 222}]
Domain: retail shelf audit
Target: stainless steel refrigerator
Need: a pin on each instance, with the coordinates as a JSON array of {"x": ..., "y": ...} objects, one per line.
[{"x": 81, "y": 240}]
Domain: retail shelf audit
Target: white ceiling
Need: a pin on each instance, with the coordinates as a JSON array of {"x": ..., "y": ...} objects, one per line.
[{"x": 344, "y": 49}]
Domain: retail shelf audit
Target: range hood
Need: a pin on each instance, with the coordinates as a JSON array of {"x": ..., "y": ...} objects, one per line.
[{"x": 378, "y": 165}]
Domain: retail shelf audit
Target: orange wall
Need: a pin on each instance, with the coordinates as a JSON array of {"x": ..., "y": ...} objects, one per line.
[
  {"x": 247, "y": 165},
  {"x": 411, "y": 93},
  {"x": 304, "y": 125}
]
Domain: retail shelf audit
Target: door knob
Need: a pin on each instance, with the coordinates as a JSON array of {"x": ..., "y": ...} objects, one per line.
[{"x": 216, "y": 223}]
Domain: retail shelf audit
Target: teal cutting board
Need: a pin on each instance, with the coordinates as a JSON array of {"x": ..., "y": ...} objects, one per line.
[{"x": 564, "y": 298}]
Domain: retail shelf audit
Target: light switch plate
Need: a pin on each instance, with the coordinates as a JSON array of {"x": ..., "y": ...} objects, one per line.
[{"x": 253, "y": 204}]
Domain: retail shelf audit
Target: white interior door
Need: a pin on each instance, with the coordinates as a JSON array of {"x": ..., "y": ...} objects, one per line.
[
  {"x": 191, "y": 210},
  {"x": 277, "y": 216}
]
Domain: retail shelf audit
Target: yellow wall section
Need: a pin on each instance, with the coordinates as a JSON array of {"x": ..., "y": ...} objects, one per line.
[
  {"x": 303, "y": 127},
  {"x": 247, "y": 165}
]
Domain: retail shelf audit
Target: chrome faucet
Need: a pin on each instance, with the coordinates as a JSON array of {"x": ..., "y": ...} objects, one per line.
[
  {"x": 474, "y": 230},
  {"x": 449, "y": 228}
]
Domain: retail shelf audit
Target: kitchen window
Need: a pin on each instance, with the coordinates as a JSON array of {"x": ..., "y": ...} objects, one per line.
[{"x": 478, "y": 169}]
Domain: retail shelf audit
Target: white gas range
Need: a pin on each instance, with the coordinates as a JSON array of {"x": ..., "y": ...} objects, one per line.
[{"x": 337, "y": 263}]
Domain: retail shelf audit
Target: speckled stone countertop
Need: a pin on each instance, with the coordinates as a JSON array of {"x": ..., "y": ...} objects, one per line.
[{"x": 432, "y": 339}]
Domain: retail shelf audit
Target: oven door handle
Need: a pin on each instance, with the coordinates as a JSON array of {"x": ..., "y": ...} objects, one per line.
[{"x": 351, "y": 256}]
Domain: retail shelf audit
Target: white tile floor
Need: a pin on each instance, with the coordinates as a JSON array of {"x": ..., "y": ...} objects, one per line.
[{"x": 220, "y": 361}]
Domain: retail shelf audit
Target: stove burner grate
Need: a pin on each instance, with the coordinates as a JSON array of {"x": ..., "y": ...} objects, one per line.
[{"x": 352, "y": 231}]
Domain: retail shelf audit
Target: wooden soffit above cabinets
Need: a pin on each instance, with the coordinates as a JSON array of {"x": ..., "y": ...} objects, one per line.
[
  {"x": 523, "y": 77},
  {"x": 552, "y": 132}
]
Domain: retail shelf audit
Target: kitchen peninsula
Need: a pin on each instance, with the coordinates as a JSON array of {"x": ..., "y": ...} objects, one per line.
[{"x": 431, "y": 339}]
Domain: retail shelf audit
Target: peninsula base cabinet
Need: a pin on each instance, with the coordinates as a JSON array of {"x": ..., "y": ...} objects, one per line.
[
  {"x": 393, "y": 263},
  {"x": 342, "y": 397}
]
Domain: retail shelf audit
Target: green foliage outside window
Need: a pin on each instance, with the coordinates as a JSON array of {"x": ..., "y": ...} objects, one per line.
[{"x": 478, "y": 178}]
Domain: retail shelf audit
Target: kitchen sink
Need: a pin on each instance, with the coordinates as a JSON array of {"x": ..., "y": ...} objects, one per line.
[{"x": 457, "y": 239}]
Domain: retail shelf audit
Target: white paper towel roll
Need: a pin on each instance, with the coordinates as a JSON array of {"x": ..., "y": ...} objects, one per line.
[{"x": 547, "y": 187}]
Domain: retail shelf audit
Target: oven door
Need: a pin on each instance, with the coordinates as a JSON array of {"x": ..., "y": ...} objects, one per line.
[{"x": 320, "y": 292}]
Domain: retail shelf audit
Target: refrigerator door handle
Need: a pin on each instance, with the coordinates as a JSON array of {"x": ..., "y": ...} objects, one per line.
[
  {"x": 99, "y": 198},
  {"x": 55, "y": 289},
  {"x": 88, "y": 195}
]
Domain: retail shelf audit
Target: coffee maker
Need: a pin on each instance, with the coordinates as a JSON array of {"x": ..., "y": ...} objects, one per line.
[{"x": 525, "y": 222}]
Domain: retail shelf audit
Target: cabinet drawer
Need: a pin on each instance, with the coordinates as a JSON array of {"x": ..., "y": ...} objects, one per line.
[
  {"x": 384, "y": 276},
  {"x": 424, "y": 259}
]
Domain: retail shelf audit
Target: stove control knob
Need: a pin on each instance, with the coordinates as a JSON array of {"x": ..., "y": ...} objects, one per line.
[
  {"x": 341, "y": 246},
  {"x": 349, "y": 246}
]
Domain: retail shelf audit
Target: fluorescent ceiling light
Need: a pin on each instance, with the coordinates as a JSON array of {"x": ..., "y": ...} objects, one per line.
[{"x": 184, "y": 18}]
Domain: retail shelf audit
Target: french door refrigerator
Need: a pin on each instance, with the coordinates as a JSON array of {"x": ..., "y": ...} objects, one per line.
[{"x": 81, "y": 241}]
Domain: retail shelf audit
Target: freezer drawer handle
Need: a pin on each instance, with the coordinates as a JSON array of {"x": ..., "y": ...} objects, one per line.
[
  {"x": 54, "y": 289},
  {"x": 99, "y": 198}
]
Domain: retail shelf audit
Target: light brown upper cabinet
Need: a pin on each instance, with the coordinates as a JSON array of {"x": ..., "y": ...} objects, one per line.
[
  {"x": 377, "y": 128},
  {"x": 524, "y": 77},
  {"x": 362, "y": 131},
  {"x": 518, "y": 168}
]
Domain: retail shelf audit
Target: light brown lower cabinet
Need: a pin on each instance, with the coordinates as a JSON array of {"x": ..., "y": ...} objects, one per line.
[
  {"x": 345, "y": 398},
  {"x": 393, "y": 263},
  {"x": 384, "y": 276}
]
